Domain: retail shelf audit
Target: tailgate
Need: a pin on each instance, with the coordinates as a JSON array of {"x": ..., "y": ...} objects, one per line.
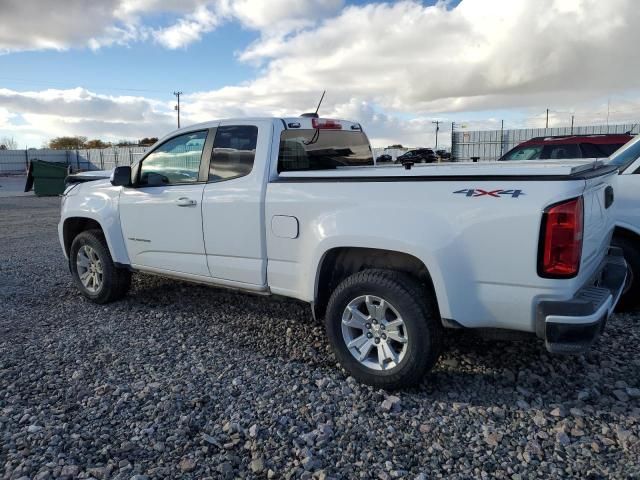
[{"x": 598, "y": 220}]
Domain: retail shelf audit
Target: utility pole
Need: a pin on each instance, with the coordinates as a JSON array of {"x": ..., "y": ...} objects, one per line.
[
  {"x": 177, "y": 107},
  {"x": 437, "y": 124},
  {"x": 547, "y": 124}
]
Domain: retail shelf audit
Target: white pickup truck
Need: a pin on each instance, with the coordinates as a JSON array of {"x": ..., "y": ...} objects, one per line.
[
  {"x": 627, "y": 217},
  {"x": 389, "y": 256}
]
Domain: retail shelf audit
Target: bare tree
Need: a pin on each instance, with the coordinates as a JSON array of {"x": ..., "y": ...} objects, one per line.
[{"x": 9, "y": 143}]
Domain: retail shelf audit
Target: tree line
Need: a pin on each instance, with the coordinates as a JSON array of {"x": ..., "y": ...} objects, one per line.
[{"x": 79, "y": 143}]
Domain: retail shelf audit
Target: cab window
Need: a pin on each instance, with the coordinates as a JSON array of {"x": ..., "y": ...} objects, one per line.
[
  {"x": 234, "y": 151},
  {"x": 174, "y": 162}
]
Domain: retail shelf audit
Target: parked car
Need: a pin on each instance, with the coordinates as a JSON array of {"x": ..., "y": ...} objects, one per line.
[
  {"x": 419, "y": 155},
  {"x": 384, "y": 158},
  {"x": 627, "y": 217},
  {"x": 443, "y": 154},
  {"x": 265, "y": 206},
  {"x": 567, "y": 147}
]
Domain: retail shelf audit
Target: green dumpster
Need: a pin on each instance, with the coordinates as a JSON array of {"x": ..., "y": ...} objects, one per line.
[{"x": 48, "y": 177}]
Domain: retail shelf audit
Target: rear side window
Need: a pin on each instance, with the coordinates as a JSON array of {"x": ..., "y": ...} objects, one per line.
[
  {"x": 234, "y": 150},
  {"x": 609, "y": 148},
  {"x": 566, "y": 151},
  {"x": 589, "y": 150},
  {"x": 592, "y": 150},
  {"x": 322, "y": 150}
]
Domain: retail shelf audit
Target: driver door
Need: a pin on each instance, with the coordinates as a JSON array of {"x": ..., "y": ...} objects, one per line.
[{"x": 161, "y": 215}]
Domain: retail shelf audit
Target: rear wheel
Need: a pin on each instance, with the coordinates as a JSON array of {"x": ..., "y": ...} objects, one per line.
[
  {"x": 93, "y": 270},
  {"x": 383, "y": 328},
  {"x": 630, "y": 297}
]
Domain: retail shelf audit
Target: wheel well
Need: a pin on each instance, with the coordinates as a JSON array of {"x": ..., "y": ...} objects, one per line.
[
  {"x": 623, "y": 232},
  {"x": 75, "y": 225},
  {"x": 339, "y": 263}
]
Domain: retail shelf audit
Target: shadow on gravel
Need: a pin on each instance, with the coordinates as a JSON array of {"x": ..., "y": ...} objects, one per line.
[{"x": 471, "y": 369}]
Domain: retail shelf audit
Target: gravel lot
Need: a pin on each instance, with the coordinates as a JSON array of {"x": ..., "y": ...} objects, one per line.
[{"x": 183, "y": 380}]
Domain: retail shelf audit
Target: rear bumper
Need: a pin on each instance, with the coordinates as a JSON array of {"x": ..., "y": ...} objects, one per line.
[{"x": 572, "y": 326}]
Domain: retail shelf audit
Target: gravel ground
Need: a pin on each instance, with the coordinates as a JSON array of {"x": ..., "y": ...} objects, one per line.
[{"x": 186, "y": 381}]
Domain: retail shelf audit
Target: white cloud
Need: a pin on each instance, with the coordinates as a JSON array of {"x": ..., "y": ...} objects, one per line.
[
  {"x": 392, "y": 66},
  {"x": 409, "y": 63},
  {"x": 29, "y": 25},
  {"x": 482, "y": 54},
  {"x": 77, "y": 111},
  {"x": 188, "y": 29},
  {"x": 78, "y": 23},
  {"x": 273, "y": 18},
  {"x": 280, "y": 15}
]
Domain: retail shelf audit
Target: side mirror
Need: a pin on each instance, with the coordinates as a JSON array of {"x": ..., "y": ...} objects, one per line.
[{"x": 121, "y": 177}]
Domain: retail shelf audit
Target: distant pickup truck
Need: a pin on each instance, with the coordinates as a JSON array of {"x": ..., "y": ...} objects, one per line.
[{"x": 391, "y": 256}]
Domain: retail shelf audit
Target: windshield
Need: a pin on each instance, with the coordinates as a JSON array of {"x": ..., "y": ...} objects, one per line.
[{"x": 626, "y": 154}]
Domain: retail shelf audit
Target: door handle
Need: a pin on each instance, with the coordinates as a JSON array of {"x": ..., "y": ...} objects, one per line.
[{"x": 185, "y": 202}]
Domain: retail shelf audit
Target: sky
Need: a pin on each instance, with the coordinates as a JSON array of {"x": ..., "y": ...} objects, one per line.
[{"x": 108, "y": 69}]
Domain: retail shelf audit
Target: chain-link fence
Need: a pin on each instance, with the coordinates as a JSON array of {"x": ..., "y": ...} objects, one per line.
[
  {"x": 487, "y": 145},
  {"x": 17, "y": 161}
]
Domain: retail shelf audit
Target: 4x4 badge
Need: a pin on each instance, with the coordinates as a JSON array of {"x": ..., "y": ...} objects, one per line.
[{"x": 479, "y": 192}]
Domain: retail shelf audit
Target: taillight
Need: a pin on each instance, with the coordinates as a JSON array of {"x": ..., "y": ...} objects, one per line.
[
  {"x": 561, "y": 239},
  {"x": 326, "y": 124}
]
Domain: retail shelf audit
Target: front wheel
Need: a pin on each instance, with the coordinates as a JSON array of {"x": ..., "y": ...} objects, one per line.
[
  {"x": 629, "y": 300},
  {"x": 383, "y": 329},
  {"x": 93, "y": 270}
]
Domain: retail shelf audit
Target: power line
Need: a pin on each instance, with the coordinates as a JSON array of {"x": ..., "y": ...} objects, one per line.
[{"x": 177, "y": 94}]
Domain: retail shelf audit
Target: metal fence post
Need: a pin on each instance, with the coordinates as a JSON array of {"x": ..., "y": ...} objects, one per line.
[
  {"x": 501, "y": 137},
  {"x": 453, "y": 158},
  {"x": 115, "y": 157},
  {"x": 101, "y": 160},
  {"x": 130, "y": 157},
  {"x": 26, "y": 157}
]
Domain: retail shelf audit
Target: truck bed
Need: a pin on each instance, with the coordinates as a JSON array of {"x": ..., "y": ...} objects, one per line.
[
  {"x": 476, "y": 226},
  {"x": 578, "y": 169}
]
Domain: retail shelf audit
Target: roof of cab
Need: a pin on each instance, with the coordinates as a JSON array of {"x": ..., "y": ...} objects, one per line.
[
  {"x": 599, "y": 139},
  {"x": 288, "y": 122}
]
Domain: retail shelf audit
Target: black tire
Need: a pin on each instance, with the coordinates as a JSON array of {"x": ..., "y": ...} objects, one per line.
[
  {"x": 423, "y": 327},
  {"x": 630, "y": 300},
  {"x": 115, "y": 281}
]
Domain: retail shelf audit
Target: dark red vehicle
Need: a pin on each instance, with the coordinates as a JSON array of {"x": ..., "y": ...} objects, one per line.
[{"x": 567, "y": 147}]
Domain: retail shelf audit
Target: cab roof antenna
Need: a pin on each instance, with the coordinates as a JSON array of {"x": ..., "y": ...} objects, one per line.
[{"x": 315, "y": 114}]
